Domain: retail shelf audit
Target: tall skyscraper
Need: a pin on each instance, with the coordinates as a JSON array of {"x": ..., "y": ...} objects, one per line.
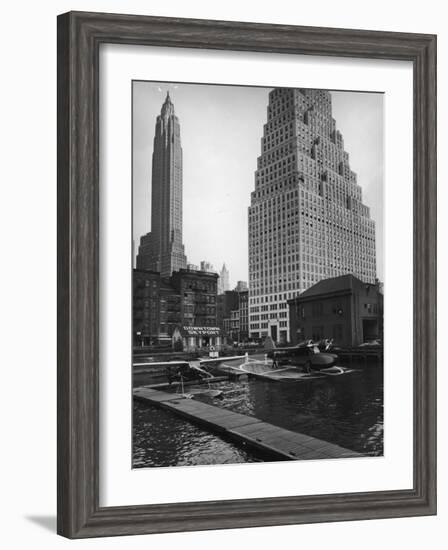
[
  {"x": 162, "y": 250},
  {"x": 224, "y": 280},
  {"x": 307, "y": 221}
]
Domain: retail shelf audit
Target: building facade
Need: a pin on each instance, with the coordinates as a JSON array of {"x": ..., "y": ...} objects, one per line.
[
  {"x": 162, "y": 249},
  {"x": 146, "y": 307},
  {"x": 307, "y": 221},
  {"x": 198, "y": 329},
  {"x": 227, "y": 302},
  {"x": 198, "y": 297},
  {"x": 233, "y": 316},
  {"x": 241, "y": 286},
  {"x": 243, "y": 315},
  {"x": 186, "y": 300},
  {"x": 343, "y": 308}
]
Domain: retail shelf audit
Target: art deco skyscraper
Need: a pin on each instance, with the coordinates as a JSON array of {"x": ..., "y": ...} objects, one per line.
[
  {"x": 162, "y": 249},
  {"x": 307, "y": 221}
]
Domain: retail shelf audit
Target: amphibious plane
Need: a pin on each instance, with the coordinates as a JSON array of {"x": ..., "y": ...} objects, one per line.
[{"x": 309, "y": 355}]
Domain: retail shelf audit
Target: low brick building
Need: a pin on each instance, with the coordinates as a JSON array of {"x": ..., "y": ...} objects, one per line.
[
  {"x": 227, "y": 302},
  {"x": 343, "y": 308},
  {"x": 146, "y": 307},
  {"x": 161, "y": 304},
  {"x": 233, "y": 318},
  {"x": 198, "y": 292}
]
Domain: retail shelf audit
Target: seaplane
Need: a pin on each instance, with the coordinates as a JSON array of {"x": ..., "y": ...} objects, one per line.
[
  {"x": 183, "y": 372},
  {"x": 309, "y": 355},
  {"x": 307, "y": 361}
]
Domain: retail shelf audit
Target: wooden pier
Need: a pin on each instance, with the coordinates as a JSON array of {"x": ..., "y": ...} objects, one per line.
[
  {"x": 176, "y": 384},
  {"x": 278, "y": 442}
]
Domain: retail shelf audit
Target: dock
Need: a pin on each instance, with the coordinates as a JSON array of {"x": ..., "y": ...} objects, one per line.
[
  {"x": 247, "y": 430},
  {"x": 186, "y": 383},
  {"x": 361, "y": 355}
]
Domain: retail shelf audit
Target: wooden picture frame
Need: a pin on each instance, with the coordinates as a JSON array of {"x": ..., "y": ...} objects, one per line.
[{"x": 79, "y": 38}]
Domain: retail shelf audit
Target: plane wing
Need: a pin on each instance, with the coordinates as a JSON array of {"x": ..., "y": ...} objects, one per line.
[
  {"x": 207, "y": 360},
  {"x": 162, "y": 364}
]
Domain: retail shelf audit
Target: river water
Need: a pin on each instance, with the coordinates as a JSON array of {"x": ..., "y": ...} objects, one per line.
[{"x": 345, "y": 410}]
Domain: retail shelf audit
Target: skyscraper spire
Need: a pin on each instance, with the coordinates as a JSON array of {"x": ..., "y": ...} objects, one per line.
[
  {"x": 162, "y": 249},
  {"x": 167, "y": 107}
]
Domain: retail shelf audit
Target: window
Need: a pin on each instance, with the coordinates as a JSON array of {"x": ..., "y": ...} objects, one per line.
[{"x": 371, "y": 308}]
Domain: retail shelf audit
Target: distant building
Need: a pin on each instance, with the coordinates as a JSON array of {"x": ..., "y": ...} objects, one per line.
[
  {"x": 193, "y": 267},
  {"x": 343, "y": 308},
  {"x": 243, "y": 315},
  {"x": 307, "y": 219},
  {"x": 224, "y": 280},
  {"x": 186, "y": 302},
  {"x": 207, "y": 266},
  {"x": 234, "y": 325},
  {"x": 227, "y": 302},
  {"x": 241, "y": 286},
  {"x": 233, "y": 315},
  {"x": 162, "y": 249}
]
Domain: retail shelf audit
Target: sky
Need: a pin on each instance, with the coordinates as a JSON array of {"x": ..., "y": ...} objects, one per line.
[{"x": 221, "y": 129}]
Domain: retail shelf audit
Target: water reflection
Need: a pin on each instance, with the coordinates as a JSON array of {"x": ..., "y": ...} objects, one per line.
[
  {"x": 163, "y": 439},
  {"x": 347, "y": 411}
]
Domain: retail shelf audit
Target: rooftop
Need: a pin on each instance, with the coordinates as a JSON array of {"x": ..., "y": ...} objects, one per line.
[{"x": 334, "y": 284}]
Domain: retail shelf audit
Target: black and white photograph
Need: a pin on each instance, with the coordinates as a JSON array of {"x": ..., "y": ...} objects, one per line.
[
  {"x": 257, "y": 274},
  {"x": 221, "y": 300}
]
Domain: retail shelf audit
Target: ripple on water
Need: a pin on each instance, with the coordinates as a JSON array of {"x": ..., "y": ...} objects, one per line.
[{"x": 162, "y": 439}]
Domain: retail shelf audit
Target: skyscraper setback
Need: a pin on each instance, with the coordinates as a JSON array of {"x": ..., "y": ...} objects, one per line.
[
  {"x": 162, "y": 250},
  {"x": 307, "y": 221}
]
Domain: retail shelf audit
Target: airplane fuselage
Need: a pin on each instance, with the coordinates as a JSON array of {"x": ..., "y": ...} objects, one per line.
[{"x": 306, "y": 356}]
